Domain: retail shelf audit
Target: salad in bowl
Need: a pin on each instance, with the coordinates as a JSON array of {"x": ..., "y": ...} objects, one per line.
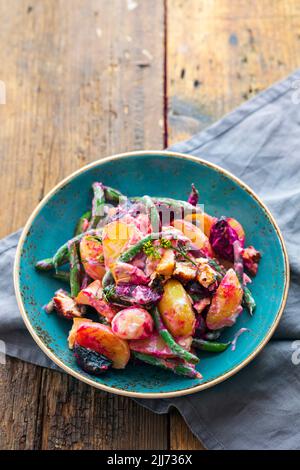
[{"x": 150, "y": 280}]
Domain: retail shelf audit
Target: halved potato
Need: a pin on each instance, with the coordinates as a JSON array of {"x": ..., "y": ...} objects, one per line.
[
  {"x": 176, "y": 309},
  {"x": 166, "y": 264},
  {"x": 226, "y": 302},
  {"x": 195, "y": 234},
  {"x": 203, "y": 220},
  {"x": 101, "y": 339},
  {"x": 116, "y": 236}
]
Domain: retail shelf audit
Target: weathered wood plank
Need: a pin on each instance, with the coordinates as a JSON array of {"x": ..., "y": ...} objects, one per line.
[
  {"x": 19, "y": 395},
  {"x": 181, "y": 437},
  {"x": 222, "y": 53},
  {"x": 82, "y": 82}
]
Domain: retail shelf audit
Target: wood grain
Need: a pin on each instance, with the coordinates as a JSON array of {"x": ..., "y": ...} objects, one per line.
[
  {"x": 98, "y": 78},
  {"x": 221, "y": 53},
  {"x": 82, "y": 82}
]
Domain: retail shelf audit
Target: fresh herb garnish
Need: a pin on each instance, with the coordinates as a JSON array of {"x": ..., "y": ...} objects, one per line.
[{"x": 150, "y": 250}]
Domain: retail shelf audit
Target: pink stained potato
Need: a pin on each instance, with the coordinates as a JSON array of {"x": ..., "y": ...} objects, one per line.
[
  {"x": 117, "y": 236},
  {"x": 235, "y": 225},
  {"x": 100, "y": 338},
  {"x": 133, "y": 323},
  {"x": 226, "y": 302},
  {"x": 128, "y": 274},
  {"x": 195, "y": 234},
  {"x": 156, "y": 346},
  {"x": 91, "y": 254},
  {"x": 176, "y": 309}
]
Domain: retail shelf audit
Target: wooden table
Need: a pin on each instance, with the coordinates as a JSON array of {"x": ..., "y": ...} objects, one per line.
[{"x": 90, "y": 78}]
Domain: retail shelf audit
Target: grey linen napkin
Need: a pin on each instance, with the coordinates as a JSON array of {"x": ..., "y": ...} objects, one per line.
[{"x": 259, "y": 408}]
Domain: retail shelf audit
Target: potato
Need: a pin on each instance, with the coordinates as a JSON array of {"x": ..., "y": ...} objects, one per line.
[
  {"x": 116, "y": 237},
  {"x": 226, "y": 302},
  {"x": 203, "y": 220},
  {"x": 101, "y": 339},
  {"x": 195, "y": 234},
  {"x": 176, "y": 309},
  {"x": 153, "y": 345},
  {"x": 167, "y": 263},
  {"x": 91, "y": 254},
  {"x": 128, "y": 273},
  {"x": 77, "y": 322},
  {"x": 65, "y": 305},
  {"x": 185, "y": 271},
  {"x": 238, "y": 228},
  {"x": 92, "y": 296},
  {"x": 132, "y": 323}
]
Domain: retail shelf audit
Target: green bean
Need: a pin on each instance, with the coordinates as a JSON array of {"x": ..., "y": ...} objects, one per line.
[
  {"x": 82, "y": 222},
  {"x": 238, "y": 261},
  {"x": 97, "y": 204},
  {"x": 248, "y": 300},
  {"x": 210, "y": 345},
  {"x": 152, "y": 212},
  {"x": 178, "y": 350},
  {"x": 217, "y": 267},
  {"x": 45, "y": 264},
  {"x": 128, "y": 255},
  {"x": 108, "y": 279},
  {"x": 113, "y": 195},
  {"x": 180, "y": 369},
  {"x": 74, "y": 269},
  {"x": 62, "y": 276}
]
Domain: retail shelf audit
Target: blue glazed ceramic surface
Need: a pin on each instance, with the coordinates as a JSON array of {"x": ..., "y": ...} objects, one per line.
[{"x": 159, "y": 174}]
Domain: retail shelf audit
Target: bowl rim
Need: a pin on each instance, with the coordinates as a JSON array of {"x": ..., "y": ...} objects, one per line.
[{"x": 118, "y": 391}]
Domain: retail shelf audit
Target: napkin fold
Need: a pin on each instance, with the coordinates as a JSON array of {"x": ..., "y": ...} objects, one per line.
[{"x": 259, "y": 407}]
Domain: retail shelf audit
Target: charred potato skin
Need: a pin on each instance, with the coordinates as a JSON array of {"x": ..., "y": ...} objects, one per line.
[{"x": 91, "y": 361}]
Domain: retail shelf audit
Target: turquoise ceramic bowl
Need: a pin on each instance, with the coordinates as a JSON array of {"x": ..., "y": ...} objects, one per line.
[{"x": 160, "y": 174}]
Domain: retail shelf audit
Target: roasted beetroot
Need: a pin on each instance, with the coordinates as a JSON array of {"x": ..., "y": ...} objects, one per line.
[
  {"x": 130, "y": 294},
  {"x": 91, "y": 361},
  {"x": 222, "y": 236},
  {"x": 200, "y": 327}
]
